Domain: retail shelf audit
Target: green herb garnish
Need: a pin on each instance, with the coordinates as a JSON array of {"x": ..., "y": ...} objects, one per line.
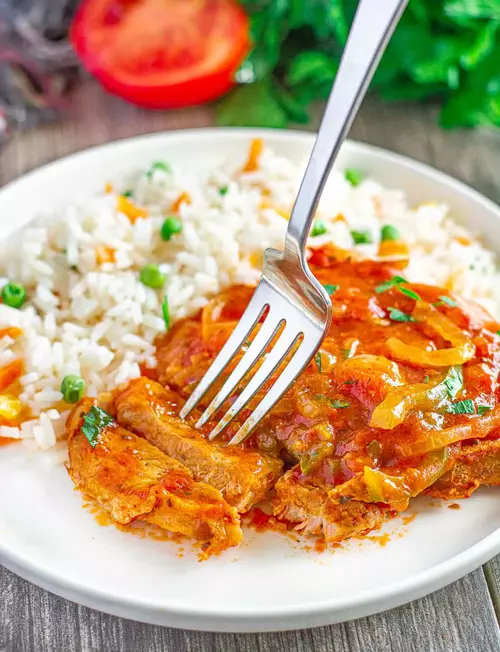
[
  {"x": 72, "y": 388},
  {"x": 151, "y": 277},
  {"x": 346, "y": 353},
  {"x": 409, "y": 293},
  {"x": 13, "y": 295},
  {"x": 454, "y": 381},
  {"x": 354, "y": 176},
  {"x": 387, "y": 285},
  {"x": 426, "y": 380},
  {"x": 157, "y": 165},
  {"x": 361, "y": 237},
  {"x": 482, "y": 409},
  {"x": 331, "y": 289},
  {"x": 127, "y": 193},
  {"x": 333, "y": 402},
  {"x": 399, "y": 315},
  {"x": 223, "y": 190},
  {"x": 317, "y": 360},
  {"x": 447, "y": 301},
  {"x": 171, "y": 226},
  {"x": 462, "y": 407},
  {"x": 166, "y": 313},
  {"x": 318, "y": 228},
  {"x": 94, "y": 423},
  {"x": 389, "y": 232}
]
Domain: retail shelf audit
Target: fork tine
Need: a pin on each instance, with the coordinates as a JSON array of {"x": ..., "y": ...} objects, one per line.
[
  {"x": 294, "y": 367},
  {"x": 263, "y": 338},
  {"x": 243, "y": 328},
  {"x": 275, "y": 356}
]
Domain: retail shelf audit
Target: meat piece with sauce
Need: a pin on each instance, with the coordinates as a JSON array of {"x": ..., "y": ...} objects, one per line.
[
  {"x": 131, "y": 479},
  {"x": 244, "y": 476}
]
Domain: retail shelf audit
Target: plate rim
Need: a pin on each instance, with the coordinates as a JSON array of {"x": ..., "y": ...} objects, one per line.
[{"x": 278, "y": 618}]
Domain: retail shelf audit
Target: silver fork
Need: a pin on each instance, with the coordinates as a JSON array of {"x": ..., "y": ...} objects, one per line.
[{"x": 288, "y": 296}]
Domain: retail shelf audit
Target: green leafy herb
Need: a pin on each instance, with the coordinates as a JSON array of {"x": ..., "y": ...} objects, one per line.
[
  {"x": 389, "y": 232},
  {"x": 387, "y": 285},
  {"x": 361, "y": 237},
  {"x": 166, "y": 313},
  {"x": 317, "y": 360},
  {"x": 127, "y": 193},
  {"x": 448, "y": 301},
  {"x": 408, "y": 293},
  {"x": 445, "y": 51},
  {"x": 94, "y": 423},
  {"x": 331, "y": 289},
  {"x": 318, "y": 228},
  {"x": 454, "y": 381},
  {"x": 426, "y": 380},
  {"x": 157, "y": 165},
  {"x": 462, "y": 407},
  {"x": 353, "y": 176},
  {"x": 223, "y": 190},
  {"x": 399, "y": 315},
  {"x": 482, "y": 409},
  {"x": 333, "y": 402}
]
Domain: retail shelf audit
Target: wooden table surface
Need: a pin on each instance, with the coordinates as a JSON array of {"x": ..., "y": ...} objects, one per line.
[{"x": 460, "y": 618}]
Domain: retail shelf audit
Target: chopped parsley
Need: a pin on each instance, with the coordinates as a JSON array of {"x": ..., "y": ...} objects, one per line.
[
  {"x": 398, "y": 315},
  {"x": 462, "y": 407},
  {"x": 396, "y": 282},
  {"x": 482, "y": 409},
  {"x": 426, "y": 380},
  {"x": 454, "y": 381},
  {"x": 317, "y": 360},
  {"x": 361, "y": 237},
  {"x": 127, "y": 193},
  {"x": 389, "y": 232},
  {"x": 223, "y": 190},
  {"x": 354, "y": 176},
  {"x": 447, "y": 301},
  {"x": 94, "y": 423},
  {"x": 333, "y": 402},
  {"x": 157, "y": 165},
  {"x": 166, "y": 312},
  {"x": 387, "y": 285},
  {"x": 331, "y": 289}
]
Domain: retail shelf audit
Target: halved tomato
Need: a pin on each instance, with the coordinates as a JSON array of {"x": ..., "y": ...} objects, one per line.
[{"x": 162, "y": 53}]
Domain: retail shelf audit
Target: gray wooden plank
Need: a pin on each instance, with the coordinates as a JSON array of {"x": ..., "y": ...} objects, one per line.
[{"x": 458, "y": 618}]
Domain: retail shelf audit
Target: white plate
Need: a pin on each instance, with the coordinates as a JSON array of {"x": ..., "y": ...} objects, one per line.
[{"x": 268, "y": 583}]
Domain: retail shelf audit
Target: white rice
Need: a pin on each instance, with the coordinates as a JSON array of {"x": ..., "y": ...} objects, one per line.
[{"x": 100, "y": 322}]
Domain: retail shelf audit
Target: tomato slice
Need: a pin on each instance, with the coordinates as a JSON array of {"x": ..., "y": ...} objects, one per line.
[{"x": 162, "y": 53}]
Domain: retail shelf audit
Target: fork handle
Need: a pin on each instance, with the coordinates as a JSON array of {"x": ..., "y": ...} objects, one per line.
[{"x": 371, "y": 29}]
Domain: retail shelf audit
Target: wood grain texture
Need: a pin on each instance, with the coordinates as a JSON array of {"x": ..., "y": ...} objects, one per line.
[{"x": 459, "y": 618}]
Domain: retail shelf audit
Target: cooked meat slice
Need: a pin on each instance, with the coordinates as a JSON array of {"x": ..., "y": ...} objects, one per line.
[
  {"x": 310, "y": 507},
  {"x": 131, "y": 479},
  {"x": 477, "y": 464},
  {"x": 243, "y": 476}
]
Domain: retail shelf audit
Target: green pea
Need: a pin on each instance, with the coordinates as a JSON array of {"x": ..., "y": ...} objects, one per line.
[
  {"x": 72, "y": 388},
  {"x": 318, "y": 228},
  {"x": 389, "y": 232},
  {"x": 13, "y": 295},
  {"x": 170, "y": 227},
  {"x": 152, "y": 277},
  {"x": 353, "y": 176}
]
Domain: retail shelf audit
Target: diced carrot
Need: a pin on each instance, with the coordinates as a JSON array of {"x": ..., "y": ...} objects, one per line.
[
  {"x": 183, "y": 198},
  {"x": 108, "y": 188},
  {"x": 104, "y": 255},
  {"x": 339, "y": 218},
  {"x": 10, "y": 331},
  {"x": 463, "y": 240},
  {"x": 390, "y": 248},
  {"x": 252, "y": 163},
  {"x": 10, "y": 373},
  {"x": 128, "y": 208},
  {"x": 267, "y": 204}
]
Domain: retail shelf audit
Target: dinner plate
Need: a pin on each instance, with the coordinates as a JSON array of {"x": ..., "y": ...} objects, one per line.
[{"x": 271, "y": 582}]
